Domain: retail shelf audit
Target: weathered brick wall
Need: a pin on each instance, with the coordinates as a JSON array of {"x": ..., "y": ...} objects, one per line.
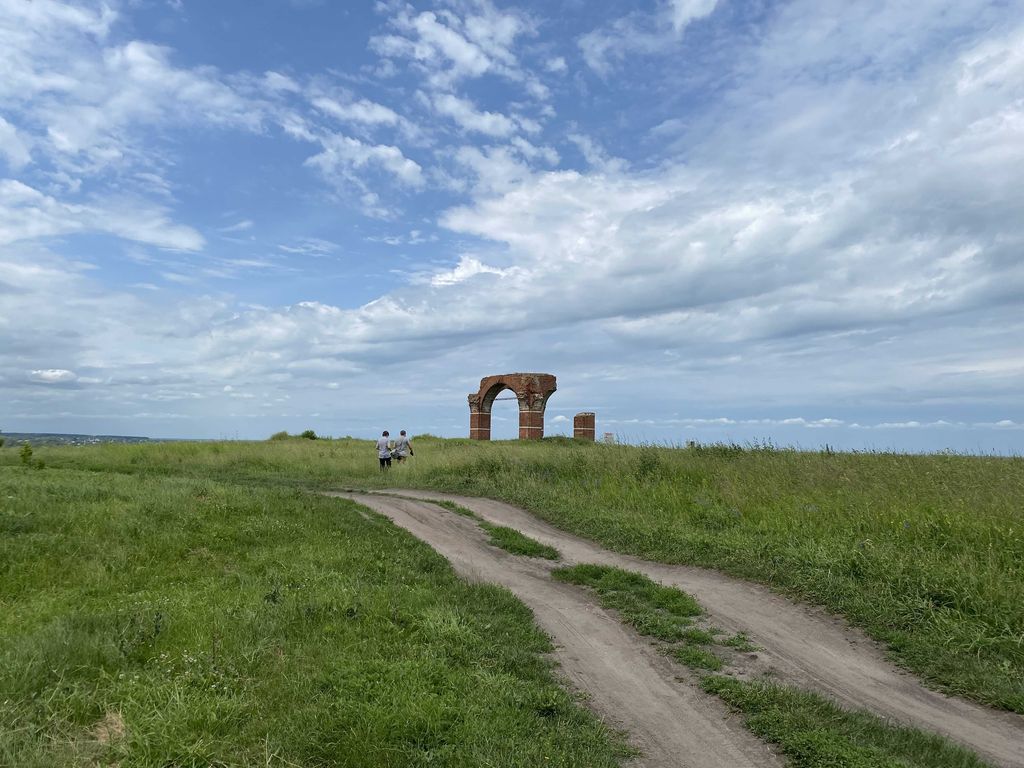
[
  {"x": 531, "y": 389},
  {"x": 583, "y": 426},
  {"x": 479, "y": 425},
  {"x": 531, "y": 424}
]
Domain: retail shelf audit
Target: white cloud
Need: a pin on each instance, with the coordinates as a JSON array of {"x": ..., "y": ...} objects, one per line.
[
  {"x": 448, "y": 47},
  {"x": 24, "y": 20},
  {"x": 358, "y": 111},
  {"x": 277, "y": 82},
  {"x": 606, "y": 47},
  {"x": 101, "y": 92},
  {"x": 647, "y": 34},
  {"x": 595, "y": 154},
  {"x": 496, "y": 168},
  {"x": 468, "y": 117},
  {"x": 533, "y": 152},
  {"x": 53, "y": 376},
  {"x": 241, "y": 226},
  {"x": 434, "y": 44},
  {"x": 467, "y": 268},
  {"x": 13, "y": 147},
  {"x": 556, "y": 65},
  {"x": 26, "y": 213},
  {"x": 684, "y": 12},
  {"x": 311, "y": 246},
  {"x": 343, "y": 155}
]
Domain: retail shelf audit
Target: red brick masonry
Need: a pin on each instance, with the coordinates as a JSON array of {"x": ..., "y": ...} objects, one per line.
[
  {"x": 583, "y": 426},
  {"x": 531, "y": 389}
]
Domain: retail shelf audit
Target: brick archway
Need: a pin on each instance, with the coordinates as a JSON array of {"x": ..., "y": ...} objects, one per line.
[{"x": 532, "y": 390}]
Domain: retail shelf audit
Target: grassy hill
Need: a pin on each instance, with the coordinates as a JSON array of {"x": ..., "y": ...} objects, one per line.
[{"x": 925, "y": 552}]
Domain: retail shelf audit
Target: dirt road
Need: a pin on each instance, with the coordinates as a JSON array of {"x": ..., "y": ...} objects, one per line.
[
  {"x": 804, "y": 646},
  {"x": 629, "y": 683}
]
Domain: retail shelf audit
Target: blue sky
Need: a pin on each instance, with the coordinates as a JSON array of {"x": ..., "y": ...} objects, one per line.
[{"x": 799, "y": 221}]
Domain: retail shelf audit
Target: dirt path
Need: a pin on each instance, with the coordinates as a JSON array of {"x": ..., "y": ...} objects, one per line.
[
  {"x": 629, "y": 683},
  {"x": 804, "y": 646}
]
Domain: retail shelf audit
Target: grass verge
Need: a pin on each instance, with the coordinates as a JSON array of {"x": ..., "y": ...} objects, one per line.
[
  {"x": 517, "y": 543},
  {"x": 451, "y": 506},
  {"x": 816, "y": 734},
  {"x": 502, "y": 536},
  {"x": 152, "y": 621},
  {"x": 649, "y": 608}
]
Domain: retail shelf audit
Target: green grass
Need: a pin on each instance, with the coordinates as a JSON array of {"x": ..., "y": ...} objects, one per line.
[
  {"x": 458, "y": 509},
  {"x": 740, "y": 642},
  {"x": 926, "y": 553},
  {"x": 695, "y": 636},
  {"x": 513, "y": 541},
  {"x": 155, "y": 621},
  {"x": 816, "y": 734},
  {"x": 649, "y": 608},
  {"x": 698, "y": 658}
]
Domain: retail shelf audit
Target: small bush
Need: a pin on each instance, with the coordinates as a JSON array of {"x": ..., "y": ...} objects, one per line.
[
  {"x": 26, "y": 455},
  {"x": 309, "y": 434},
  {"x": 282, "y": 435}
]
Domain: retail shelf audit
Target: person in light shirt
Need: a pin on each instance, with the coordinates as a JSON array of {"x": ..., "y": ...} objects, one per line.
[
  {"x": 384, "y": 451},
  {"x": 403, "y": 447}
]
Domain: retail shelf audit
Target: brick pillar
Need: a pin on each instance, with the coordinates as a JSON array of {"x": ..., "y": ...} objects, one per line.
[
  {"x": 479, "y": 425},
  {"x": 583, "y": 426},
  {"x": 531, "y": 423}
]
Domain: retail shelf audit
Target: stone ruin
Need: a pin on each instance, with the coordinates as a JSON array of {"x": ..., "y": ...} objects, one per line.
[
  {"x": 583, "y": 426},
  {"x": 532, "y": 390}
]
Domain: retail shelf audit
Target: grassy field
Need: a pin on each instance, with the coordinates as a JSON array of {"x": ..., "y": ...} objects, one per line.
[
  {"x": 153, "y": 620},
  {"x": 925, "y": 552}
]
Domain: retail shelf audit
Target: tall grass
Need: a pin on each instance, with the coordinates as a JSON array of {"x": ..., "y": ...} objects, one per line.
[{"x": 926, "y": 552}]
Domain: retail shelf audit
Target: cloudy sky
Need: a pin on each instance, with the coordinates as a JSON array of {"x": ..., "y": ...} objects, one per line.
[{"x": 716, "y": 220}]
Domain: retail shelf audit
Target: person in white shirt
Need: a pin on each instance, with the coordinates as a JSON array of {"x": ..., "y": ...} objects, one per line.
[
  {"x": 403, "y": 447},
  {"x": 384, "y": 451}
]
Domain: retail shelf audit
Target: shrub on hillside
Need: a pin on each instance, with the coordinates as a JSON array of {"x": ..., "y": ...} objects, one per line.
[
  {"x": 309, "y": 434},
  {"x": 26, "y": 458},
  {"x": 282, "y": 435}
]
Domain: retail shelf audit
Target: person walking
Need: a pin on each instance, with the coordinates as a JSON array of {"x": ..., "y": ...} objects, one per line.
[
  {"x": 384, "y": 451},
  {"x": 403, "y": 447}
]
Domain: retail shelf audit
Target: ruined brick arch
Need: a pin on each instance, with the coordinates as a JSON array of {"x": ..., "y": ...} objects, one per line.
[{"x": 532, "y": 390}]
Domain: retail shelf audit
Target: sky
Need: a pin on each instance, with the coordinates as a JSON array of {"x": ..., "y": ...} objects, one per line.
[{"x": 716, "y": 220}]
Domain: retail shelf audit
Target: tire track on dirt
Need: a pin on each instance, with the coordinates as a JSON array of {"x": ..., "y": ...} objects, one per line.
[
  {"x": 804, "y": 645},
  {"x": 629, "y": 683}
]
